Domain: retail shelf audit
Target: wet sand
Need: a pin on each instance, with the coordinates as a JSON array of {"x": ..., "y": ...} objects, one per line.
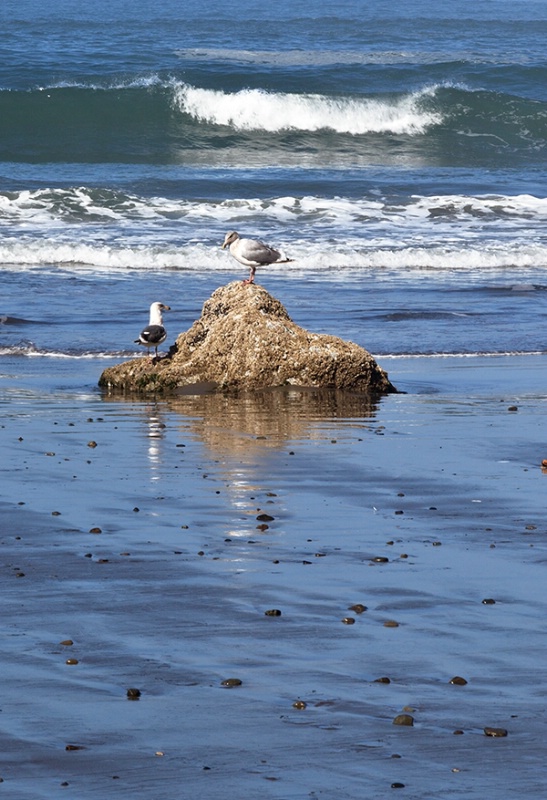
[{"x": 136, "y": 531}]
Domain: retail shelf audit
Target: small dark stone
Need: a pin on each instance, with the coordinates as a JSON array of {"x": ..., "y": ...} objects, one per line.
[
  {"x": 349, "y": 621},
  {"x": 397, "y": 786},
  {"x": 74, "y": 747},
  {"x": 380, "y": 560},
  {"x": 513, "y": 408},
  {"x": 489, "y": 601},
  {"x": 300, "y": 705},
  {"x": 92, "y": 444},
  {"x": 229, "y": 683},
  {"x": 95, "y": 530},
  {"x": 459, "y": 732},
  {"x": 457, "y": 681},
  {"x": 133, "y": 694},
  {"x": 382, "y": 680},
  {"x": 359, "y": 608},
  {"x": 273, "y": 612},
  {"x": 265, "y": 518},
  {"x": 495, "y": 732},
  {"x": 404, "y": 719}
]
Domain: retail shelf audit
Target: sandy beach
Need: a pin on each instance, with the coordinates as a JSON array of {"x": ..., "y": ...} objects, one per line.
[{"x": 155, "y": 536}]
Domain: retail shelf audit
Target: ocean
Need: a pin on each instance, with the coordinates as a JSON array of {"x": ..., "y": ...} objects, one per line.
[{"x": 397, "y": 155}]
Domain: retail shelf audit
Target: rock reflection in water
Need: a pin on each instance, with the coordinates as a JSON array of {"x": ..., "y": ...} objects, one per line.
[{"x": 238, "y": 426}]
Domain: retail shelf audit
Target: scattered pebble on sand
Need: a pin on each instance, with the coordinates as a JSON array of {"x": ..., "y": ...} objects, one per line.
[
  {"x": 404, "y": 719},
  {"x": 495, "y": 732}
]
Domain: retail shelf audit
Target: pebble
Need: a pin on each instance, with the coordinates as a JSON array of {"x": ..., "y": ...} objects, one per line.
[
  {"x": 273, "y": 612},
  {"x": 67, "y": 642},
  {"x": 495, "y": 732},
  {"x": 380, "y": 560},
  {"x": 359, "y": 608},
  {"x": 74, "y": 747},
  {"x": 348, "y": 621},
  {"x": 300, "y": 705},
  {"x": 265, "y": 518},
  {"x": 92, "y": 444},
  {"x": 382, "y": 680},
  {"x": 95, "y": 530},
  {"x": 397, "y": 786},
  {"x": 488, "y": 601},
  {"x": 229, "y": 683},
  {"x": 391, "y": 623},
  {"x": 404, "y": 719},
  {"x": 71, "y": 661},
  {"x": 457, "y": 681},
  {"x": 133, "y": 694}
]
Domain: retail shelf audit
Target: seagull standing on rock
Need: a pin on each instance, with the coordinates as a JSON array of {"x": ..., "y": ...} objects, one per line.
[
  {"x": 252, "y": 253},
  {"x": 154, "y": 333}
]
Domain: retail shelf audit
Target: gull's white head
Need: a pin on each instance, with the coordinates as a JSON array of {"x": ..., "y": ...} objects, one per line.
[{"x": 230, "y": 237}]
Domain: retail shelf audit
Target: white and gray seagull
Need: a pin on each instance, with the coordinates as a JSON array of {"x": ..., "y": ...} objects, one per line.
[
  {"x": 154, "y": 333},
  {"x": 253, "y": 253}
]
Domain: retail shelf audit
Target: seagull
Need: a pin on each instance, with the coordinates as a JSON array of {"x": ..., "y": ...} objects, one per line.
[
  {"x": 154, "y": 333},
  {"x": 252, "y": 253}
]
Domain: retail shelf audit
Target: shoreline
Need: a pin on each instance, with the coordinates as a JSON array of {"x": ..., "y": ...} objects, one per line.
[{"x": 170, "y": 596}]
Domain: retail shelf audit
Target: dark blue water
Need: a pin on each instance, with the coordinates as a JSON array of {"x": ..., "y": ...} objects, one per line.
[{"x": 396, "y": 152}]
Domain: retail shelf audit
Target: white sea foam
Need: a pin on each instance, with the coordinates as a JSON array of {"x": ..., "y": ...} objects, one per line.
[
  {"x": 90, "y": 229},
  {"x": 260, "y": 110},
  {"x": 345, "y": 257}
]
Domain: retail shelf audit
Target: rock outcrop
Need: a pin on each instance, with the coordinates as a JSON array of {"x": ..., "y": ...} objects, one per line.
[{"x": 245, "y": 340}]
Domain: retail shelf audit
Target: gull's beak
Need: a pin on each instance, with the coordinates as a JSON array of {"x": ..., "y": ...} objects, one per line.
[{"x": 224, "y": 245}]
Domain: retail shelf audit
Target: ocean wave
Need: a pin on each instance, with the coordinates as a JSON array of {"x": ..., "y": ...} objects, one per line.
[
  {"x": 163, "y": 120},
  {"x": 86, "y": 229},
  {"x": 31, "y": 351},
  {"x": 260, "y": 110},
  {"x": 55, "y": 207},
  {"x": 343, "y": 257}
]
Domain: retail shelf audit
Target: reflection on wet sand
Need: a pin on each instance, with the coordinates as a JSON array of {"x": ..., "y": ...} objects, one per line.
[
  {"x": 239, "y": 432},
  {"x": 235, "y": 426}
]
